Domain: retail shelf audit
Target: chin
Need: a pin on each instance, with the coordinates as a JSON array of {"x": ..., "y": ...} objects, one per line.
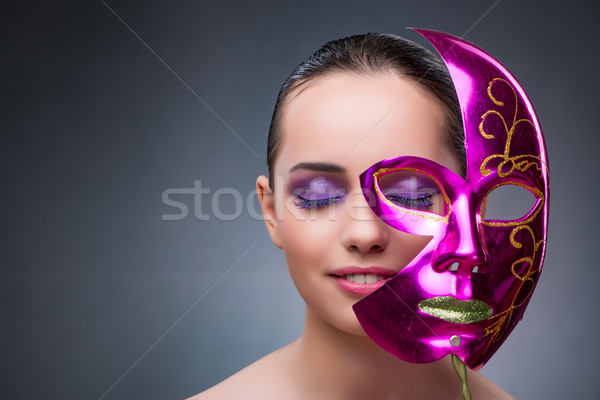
[
  {"x": 333, "y": 311},
  {"x": 347, "y": 323},
  {"x": 355, "y": 328}
]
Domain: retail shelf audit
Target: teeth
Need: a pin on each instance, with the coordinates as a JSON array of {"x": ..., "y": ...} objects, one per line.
[
  {"x": 363, "y": 278},
  {"x": 370, "y": 278}
]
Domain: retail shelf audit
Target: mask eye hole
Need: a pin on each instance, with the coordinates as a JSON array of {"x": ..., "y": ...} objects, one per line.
[
  {"x": 412, "y": 190},
  {"x": 508, "y": 202}
]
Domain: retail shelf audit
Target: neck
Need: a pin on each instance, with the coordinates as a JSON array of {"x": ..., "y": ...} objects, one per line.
[{"x": 337, "y": 364}]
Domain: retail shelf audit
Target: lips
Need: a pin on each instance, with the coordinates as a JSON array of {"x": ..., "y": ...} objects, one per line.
[
  {"x": 380, "y": 271},
  {"x": 362, "y": 280},
  {"x": 456, "y": 311}
]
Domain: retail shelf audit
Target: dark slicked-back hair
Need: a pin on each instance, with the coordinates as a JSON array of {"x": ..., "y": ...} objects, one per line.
[{"x": 368, "y": 54}]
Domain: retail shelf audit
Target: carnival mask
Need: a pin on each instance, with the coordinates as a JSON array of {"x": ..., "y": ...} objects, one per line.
[{"x": 469, "y": 287}]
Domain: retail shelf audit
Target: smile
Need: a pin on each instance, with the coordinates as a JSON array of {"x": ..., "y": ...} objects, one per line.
[
  {"x": 362, "y": 279},
  {"x": 456, "y": 311}
]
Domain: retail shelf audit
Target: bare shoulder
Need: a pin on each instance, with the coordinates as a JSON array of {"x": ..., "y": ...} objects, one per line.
[
  {"x": 269, "y": 377},
  {"x": 483, "y": 388}
]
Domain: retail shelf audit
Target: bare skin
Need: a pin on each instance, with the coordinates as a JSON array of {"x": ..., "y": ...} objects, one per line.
[
  {"x": 347, "y": 369},
  {"x": 350, "y": 122}
]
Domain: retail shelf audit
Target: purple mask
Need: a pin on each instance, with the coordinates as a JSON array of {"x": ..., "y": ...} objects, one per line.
[{"x": 468, "y": 288}]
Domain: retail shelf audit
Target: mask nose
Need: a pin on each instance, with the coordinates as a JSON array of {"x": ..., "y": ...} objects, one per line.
[{"x": 462, "y": 249}]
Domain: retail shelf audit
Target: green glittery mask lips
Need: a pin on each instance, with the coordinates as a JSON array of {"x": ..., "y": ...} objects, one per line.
[{"x": 456, "y": 311}]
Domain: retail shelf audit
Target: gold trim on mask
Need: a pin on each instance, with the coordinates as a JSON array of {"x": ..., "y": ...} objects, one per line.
[
  {"x": 424, "y": 214},
  {"x": 517, "y": 163},
  {"x": 537, "y": 209},
  {"x": 520, "y": 162}
]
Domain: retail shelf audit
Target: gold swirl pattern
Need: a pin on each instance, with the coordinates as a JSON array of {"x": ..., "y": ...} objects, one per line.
[
  {"x": 503, "y": 318},
  {"x": 521, "y": 163}
]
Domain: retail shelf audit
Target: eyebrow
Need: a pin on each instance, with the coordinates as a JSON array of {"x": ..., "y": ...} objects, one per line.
[{"x": 316, "y": 166}]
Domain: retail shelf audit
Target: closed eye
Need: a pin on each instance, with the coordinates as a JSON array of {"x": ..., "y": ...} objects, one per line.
[
  {"x": 412, "y": 189},
  {"x": 301, "y": 202},
  {"x": 417, "y": 202}
]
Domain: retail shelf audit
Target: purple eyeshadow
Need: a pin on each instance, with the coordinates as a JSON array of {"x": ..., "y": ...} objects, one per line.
[
  {"x": 410, "y": 189},
  {"x": 316, "y": 191},
  {"x": 314, "y": 188}
]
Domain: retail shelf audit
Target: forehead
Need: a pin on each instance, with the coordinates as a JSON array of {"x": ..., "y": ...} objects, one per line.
[{"x": 356, "y": 121}]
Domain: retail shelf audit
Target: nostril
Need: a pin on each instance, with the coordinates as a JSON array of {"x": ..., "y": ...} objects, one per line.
[
  {"x": 376, "y": 247},
  {"x": 454, "y": 266},
  {"x": 475, "y": 269}
]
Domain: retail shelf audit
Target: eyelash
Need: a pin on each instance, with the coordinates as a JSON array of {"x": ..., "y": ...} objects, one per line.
[
  {"x": 306, "y": 203},
  {"x": 412, "y": 203}
]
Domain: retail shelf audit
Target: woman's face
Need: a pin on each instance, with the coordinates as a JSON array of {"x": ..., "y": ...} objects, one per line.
[{"x": 336, "y": 127}]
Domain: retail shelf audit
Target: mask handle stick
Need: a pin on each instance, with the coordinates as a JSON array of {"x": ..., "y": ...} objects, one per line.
[{"x": 461, "y": 371}]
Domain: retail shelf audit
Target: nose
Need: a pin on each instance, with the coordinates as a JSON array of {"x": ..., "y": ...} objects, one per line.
[
  {"x": 462, "y": 250},
  {"x": 363, "y": 232}
]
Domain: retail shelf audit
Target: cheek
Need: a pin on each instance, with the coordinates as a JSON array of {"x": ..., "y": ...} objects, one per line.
[
  {"x": 307, "y": 236},
  {"x": 410, "y": 246},
  {"x": 309, "y": 246}
]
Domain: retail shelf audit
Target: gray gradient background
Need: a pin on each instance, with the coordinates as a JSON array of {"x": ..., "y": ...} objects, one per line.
[{"x": 95, "y": 127}]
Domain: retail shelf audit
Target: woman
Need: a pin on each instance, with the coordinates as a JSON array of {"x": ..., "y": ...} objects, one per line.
[{"x": 355, "y": 102}]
